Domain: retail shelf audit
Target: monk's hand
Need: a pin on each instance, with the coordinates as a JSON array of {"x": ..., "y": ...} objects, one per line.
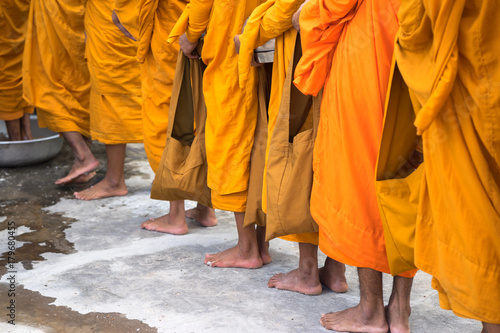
[
  {"x": 255, "y": 62},
  {"x": 188, "y": 48},
  {"x": 237, "y": 44}
]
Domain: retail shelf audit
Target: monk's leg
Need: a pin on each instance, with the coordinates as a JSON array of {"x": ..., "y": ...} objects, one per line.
[
  {"x": 244, "y": 255},
  {"x": 26, "y": 127},
  {"x": 332, "y": 275},
  {"x": 304, "y": 279},
  {"x": 203, "y": 215},
  {"x": 398, "y": 311},
  {"x": 172, "y": 223},
  {"x": 368, "y": 315},
  {"x": 490, "y": 328},
  {"x": 13, "y": 129},
  {"x": 263, "y": 245},
  {"x": 113, "y": 183},
  {"x": 85, "y": 162}
]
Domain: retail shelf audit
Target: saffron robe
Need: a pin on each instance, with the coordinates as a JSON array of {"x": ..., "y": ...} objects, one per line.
[
  {"x": 231, "y": 110},
  {"x": 348, "y": 48},
  {"x": 115, "y": 98},
  {"x": 447, "y": 52},
  {"x": 13, "y": 24},
  {"x": 55, "y": 74},
  {"x": 157, "y": 61}
]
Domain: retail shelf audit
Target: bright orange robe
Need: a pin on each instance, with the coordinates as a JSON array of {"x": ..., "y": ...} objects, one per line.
[
  {"x": 348, "y": 47},
  {"x": 55, "y": 74},
  {"x": 13, "y": 25},
  {"x": 231, "y": 110},
  {"x": 448, "y": 54},
  {"x": 272, "y": 19},
  {"x": 115, "y": 98}
]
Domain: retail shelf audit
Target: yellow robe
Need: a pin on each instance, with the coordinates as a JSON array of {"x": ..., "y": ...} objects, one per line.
[
  {"x": 272, "y": 19},
  {"x": 158, "y": 60},
  {"x": 115, "y": 98},
  {"x": 55, "y": 74},
  {"x": 13, "y": 25},
  {"x": 447, "y": 52},
  {"x": 231, "y": 110}
]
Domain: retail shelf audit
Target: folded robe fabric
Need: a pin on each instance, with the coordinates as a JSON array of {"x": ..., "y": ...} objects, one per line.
[
  {"x": 231, "y": 110},
  {"x": 55, "y": 74},
  {"x": 348, "y": 48},
  {"x": 13, "y": 24},
  {"x": 447, "y": 52},
  {"x": 115, "y": 100}
]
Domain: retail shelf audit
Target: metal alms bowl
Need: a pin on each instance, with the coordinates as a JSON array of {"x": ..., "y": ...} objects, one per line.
[{"x": 20, "y": 153}]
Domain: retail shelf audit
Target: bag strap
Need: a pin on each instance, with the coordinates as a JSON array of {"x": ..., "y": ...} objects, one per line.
[{"x": 316, "y": 110}]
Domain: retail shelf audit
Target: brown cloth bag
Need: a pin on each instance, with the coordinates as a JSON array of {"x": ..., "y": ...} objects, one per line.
[
  {"x": 253, "y": 212},
  {"x": 182, "y": 174},
  {"x": 289, "y": 164}
]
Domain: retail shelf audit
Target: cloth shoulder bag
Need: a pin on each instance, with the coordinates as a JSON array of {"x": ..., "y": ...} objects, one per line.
[
  {"x": 182, "y": 174},
  {"x": 289, "y": 165}
]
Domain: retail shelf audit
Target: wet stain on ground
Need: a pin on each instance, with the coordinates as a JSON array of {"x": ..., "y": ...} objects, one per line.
[
  {"x": 24, "y": 192},
  {"x": 32, "y": 307}
]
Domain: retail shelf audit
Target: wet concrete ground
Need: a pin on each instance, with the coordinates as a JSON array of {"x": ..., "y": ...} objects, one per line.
[{"x": 88, "y": 267}]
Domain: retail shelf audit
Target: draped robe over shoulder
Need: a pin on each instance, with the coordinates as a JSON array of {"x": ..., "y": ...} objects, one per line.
[{"x": 448, "y": 54}]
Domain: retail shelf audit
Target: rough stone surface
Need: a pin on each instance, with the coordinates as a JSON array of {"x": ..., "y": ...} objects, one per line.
[{"x": 86, "y": 266}]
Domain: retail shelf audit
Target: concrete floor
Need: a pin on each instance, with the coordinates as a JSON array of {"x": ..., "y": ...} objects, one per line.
[{"x": 88, "y": 267}]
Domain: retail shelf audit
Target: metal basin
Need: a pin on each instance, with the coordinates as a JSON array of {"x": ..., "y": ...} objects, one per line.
[{"x": 20, "y": 153}]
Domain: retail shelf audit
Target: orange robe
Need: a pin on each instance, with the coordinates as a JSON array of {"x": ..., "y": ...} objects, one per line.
[
  {"x": 55, "y": 74},
  {"x": 447, "y": 52},
  {"x": 348, "y": 48},
  {"x": 13, "y": 24},
  {"x": 115, "y": 98},
  {"x": 151, "y": 28},
  {"x": 231, "y": 110},
  {"x": 157, "y": 73}
]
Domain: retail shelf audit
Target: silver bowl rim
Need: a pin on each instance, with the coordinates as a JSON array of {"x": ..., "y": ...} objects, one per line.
[{"x": 47, "y": 138}]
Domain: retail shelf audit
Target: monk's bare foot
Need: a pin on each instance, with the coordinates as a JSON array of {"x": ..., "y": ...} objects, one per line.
[
  {"x": 355, "y": 320},
  {"x": 203, "y": 215},
  {"x": 398, "y": 319},
  {"x": 263, "y": 245},
  {"x": 103, "y": 189},
  {"x": 234, "y": 257},
  {"x": 79, "y": 168},
  {"x": 85, "y": 178},
  {"x": 297, "y": 280},
  {"x": 166, "y": 224},
  {"x": 332, "y": 275},
  {"x": 490, "y": 328}
]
